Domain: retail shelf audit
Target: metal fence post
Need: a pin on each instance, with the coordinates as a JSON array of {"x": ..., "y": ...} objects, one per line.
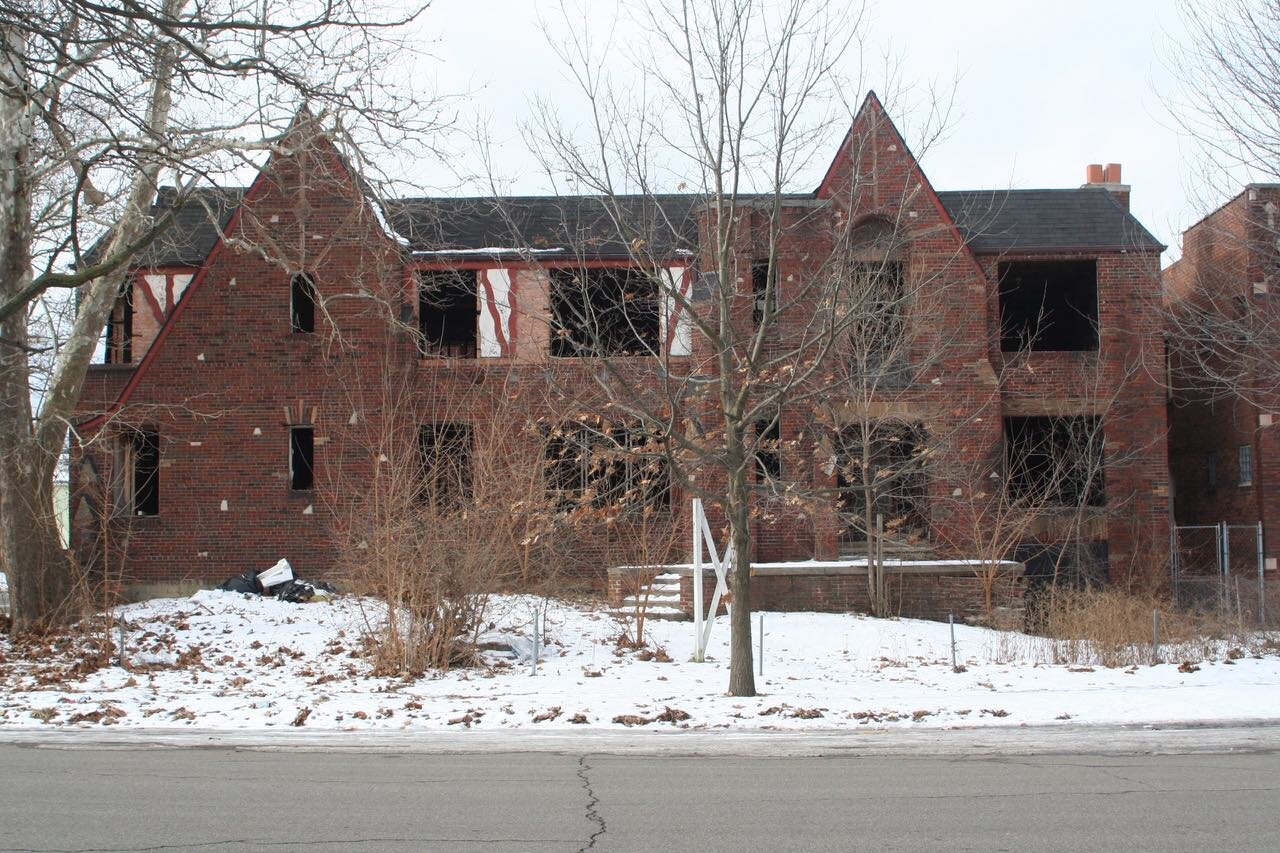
[
  {"x": 1155, "y": 637},
  {"x": 1262, "y": 582}
]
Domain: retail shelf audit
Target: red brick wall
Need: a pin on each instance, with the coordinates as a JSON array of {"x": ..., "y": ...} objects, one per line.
[{"x": 217, "y": 385}]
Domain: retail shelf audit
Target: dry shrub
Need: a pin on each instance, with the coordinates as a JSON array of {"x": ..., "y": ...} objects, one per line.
[{"x": 1113, "y": 628}]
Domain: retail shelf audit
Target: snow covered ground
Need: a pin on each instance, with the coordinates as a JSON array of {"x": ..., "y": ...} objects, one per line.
[{"x": 228, "y": 661}]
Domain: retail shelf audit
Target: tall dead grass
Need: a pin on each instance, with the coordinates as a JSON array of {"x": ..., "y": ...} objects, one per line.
[{"x": 1115, "y": 628}]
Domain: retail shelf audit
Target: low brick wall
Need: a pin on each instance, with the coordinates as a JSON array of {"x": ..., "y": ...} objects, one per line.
[{"x": 919, "y": 590}]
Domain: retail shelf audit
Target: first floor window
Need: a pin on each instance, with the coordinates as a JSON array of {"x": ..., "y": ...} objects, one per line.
[
  {"x": 1246, "y": 465},
  {"x": 302, "y": 458},
  {"x": 137, "y": 473},
  {"x": 445, "y": 458},
  {"x": 769, "y": 448},
  {"x": 606, "y": 467}
]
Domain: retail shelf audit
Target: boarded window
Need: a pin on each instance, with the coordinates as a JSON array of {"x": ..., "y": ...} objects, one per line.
[
  {"x": 119, "y": 344},
  {"x": 1049, "y": 305},
  {"x": 603, "y": 312},
  {"x": 444, "y": 452},
  {"x": 302, "y": 303},
  {"x": 606, "y": 468},
  {"x": 302, "y": 458},
  {"x": 1055, "y": 461},
  {"x": 447, "y": 311}
]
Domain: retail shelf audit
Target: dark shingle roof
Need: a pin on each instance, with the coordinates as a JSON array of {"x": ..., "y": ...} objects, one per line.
[
  {"x": 1025, "y": 220},
  {"x": 550, "y": 225},
  {"x": 1088, "y": 218}
]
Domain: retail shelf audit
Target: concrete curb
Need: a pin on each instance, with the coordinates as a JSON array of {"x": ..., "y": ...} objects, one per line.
[{"x": 1155, "y": 738}]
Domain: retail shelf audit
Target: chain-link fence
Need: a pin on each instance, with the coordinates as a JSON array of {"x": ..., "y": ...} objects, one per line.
[{"x": 1220, "y": 567}]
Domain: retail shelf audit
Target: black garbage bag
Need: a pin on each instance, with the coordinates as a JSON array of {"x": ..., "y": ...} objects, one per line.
[
  {"x": 247, "y": 582},
  {"x": 300, "y": 591}
]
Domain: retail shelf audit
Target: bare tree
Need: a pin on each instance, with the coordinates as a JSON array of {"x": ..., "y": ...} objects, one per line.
[
  {"x": 1224, "y": 334},
  {"x": 708, "y": 317},
  {"x": 98, "y": 104}
]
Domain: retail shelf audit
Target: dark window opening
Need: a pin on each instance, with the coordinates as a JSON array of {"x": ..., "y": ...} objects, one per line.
[
  {"x": 877, "y": 312},
  {"x": 1246, "y": 465},
  {"x": 764, "y": 290},
  {"x": 769, "y": 448},
  {"x": 447, "y": 311},
  {"x": 613, "y": 468},
  {"x": 302, "y": 458},
  {"x": 603, "y": 312},
  {"x": 1049, "y": 306},
  {"x": 146, "y": 473},
  {"x": 886, "y": 471},
  {"x": 302, "y": 303},
  {"x": 1055, "y": 461},
  {"x": 119, "y": 349},
  {"x": 1211, "y": 470},
  {"x": 444, "y": 451}
]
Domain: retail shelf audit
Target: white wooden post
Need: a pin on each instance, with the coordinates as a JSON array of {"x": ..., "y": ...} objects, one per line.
[{"x": 698, "y": 612}]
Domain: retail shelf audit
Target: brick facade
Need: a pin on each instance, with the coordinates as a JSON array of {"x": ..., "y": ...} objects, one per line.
[{"x": 222, "y": 378}]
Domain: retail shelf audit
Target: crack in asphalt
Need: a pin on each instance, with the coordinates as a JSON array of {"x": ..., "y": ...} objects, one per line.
[{"x": 593, "y": 803}]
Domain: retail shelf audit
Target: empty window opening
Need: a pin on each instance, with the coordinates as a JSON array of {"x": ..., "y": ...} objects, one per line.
[
  {"x": 302, "y": 458},
  {"x": 881, "y": 476},
  {"x": 586, "y": 466},
  {"x": 136, "y": 477},
  {"x": 1054, "y": 461},
  {"x": 1049, "y": 305},
  {"x": 119, "y": 347},
  {"x": 769, "y": 448},
  {"x": 302, "y": 303},
  {"x": 447, "y": 311},
  {"x": 444, "y": 451},
  {"x": 603, "y": 312},
  {"x": 764, "y": 290},
  {"x": 876, "y": 312},
  {"x": 1246, "y": 465}
]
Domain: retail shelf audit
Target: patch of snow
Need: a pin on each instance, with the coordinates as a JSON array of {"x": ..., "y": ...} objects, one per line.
[
  {"x": 226, "y": 661},
  {"x": 490, "y": 250}
]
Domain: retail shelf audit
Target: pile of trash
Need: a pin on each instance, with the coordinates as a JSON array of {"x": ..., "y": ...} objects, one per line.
[{"x": 279, "y": 582}]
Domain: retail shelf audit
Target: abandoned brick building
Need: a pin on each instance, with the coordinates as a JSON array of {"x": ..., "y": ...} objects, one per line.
[
  {"x": 1222, "y": 419},
  {"x": 224, "y": 428}
]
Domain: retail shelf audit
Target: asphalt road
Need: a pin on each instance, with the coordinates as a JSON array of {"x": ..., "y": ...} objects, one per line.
[{"x": 231, "y": 800}]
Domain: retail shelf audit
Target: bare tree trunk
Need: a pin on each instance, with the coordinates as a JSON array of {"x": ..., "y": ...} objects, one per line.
[
  {"x": 741, "y": 677},
  {"x": 33, "y": 557}
]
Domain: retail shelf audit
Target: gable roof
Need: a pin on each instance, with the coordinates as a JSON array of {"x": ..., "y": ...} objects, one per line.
[
  {"x": 1027, "y": 220},
  {"x": 548, "y": 225}
]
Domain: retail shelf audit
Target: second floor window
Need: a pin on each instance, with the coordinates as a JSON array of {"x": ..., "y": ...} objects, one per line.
[
  {"x": 601, "y": 312},
  {"x": 1049, "y": 306},
  {"x": 120, "y": 328},
  {"x": 302, "y": 303},
  {"x": 447, "y": 310}
]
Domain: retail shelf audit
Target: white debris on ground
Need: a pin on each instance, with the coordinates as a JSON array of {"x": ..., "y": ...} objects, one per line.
[{"x": 232, "y": 661}]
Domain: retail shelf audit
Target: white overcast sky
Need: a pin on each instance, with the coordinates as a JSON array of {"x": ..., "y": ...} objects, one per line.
[{"x": 1043, "y": 88}]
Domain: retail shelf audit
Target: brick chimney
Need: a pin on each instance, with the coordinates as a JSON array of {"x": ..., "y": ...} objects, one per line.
[{"x": 1107, "y": 177}]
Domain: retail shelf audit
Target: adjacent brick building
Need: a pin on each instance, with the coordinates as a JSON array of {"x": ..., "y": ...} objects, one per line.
[
  {"x": 257, "y": 350},
  {"x": 1223, "y": 441}
]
